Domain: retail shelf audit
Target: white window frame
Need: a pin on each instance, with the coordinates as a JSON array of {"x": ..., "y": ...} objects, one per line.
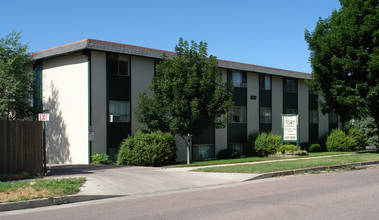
[
  {"x": 290, "y": 85},
  {"x": 237, "y": 146},
  {"x": 265, "y": 115},
  {"x": 312, "y": 92},
  {"x": 266, "y": 79},
  {"x": 207, "y": 154},
  {"x": 125, "y": 58},
  {"x": 313, "y": 117},
  {"x": 241, "y": 111},
  {"x": 115, "y": 112},
  {"x": 333, "y": 118},
  {"x": 120, "y": 58},
  {"x": 237, "y": 79},
  {"x": 290, "y": 111}
]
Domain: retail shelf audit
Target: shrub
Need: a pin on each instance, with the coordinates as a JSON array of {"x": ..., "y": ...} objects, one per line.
[
  {"x": 287, "y": 149},
  {"x": 339, "y": 141},
  {"x": 228, "y": 154},
  {"x": 305, "y": 146},
  {"x": 251, "y": 143},
  {"x": 14, "y": 176},
  {"x": 369, "y": 129},
  {"x": 148, "y": 149},
  {"x": 267, "y": 143},
  {"x": 358, "y": 136},
  {"x": 100, "y": 159},
  {"x": 300, "y": 152},
  {"x": 322, "y": 141},
  {"x": 315, "y": 148}
]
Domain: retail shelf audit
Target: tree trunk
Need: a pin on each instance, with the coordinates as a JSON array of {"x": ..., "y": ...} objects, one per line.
[{"x": 188, "y": 148}]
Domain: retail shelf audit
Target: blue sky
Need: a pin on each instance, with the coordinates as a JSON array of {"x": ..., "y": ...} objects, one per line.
[{"x": 267, "y": 33}]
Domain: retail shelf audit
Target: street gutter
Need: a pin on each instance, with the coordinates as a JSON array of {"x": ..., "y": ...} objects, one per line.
[
  {"x": 36, "y": 203},
  {"x": 305, "y": 170}
]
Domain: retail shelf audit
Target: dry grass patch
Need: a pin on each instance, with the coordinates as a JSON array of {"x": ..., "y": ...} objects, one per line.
[
  {"x": 35, "y": 189},
  {"x": 24, "y": 193}
]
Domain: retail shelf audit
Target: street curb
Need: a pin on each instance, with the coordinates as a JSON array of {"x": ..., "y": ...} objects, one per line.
[
  {"x": 36, "y": 203},
  {"x": 300, "y": 171}
]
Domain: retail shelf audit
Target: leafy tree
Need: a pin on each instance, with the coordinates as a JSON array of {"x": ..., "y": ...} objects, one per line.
[
  {"x": 16, "y": 83},
  {"x": 368, "y": 128},
  {"x": 345, "y": 60},
  {"x": 189, "y": 95}
]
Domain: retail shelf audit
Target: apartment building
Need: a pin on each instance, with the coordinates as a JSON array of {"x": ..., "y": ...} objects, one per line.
[{"x": 91, "y": 89}]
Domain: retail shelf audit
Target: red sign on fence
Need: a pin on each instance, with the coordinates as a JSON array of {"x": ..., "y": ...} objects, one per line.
[{"x": 43, "y": 117}]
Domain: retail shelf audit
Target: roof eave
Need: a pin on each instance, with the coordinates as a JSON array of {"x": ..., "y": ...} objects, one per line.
[
  {"x": 153, "y": 53},
  {"x": 61, "y": 50},
  {"x": 262, "y": 69}
]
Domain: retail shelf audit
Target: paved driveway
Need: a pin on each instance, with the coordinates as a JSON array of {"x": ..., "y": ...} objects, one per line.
[{"x": 124, "y": 180}]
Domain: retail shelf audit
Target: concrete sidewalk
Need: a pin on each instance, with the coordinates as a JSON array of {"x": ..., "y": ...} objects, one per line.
[{"x": 116, "y": 180}]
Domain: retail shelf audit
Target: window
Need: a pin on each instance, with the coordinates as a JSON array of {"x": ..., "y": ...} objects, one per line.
[
  {"x": 264, "y": 82},
  {"x": 312, "y": 92},
  {"x": 241, "y": 147},
  {"x": 333, "y": 118},
  {"x": 118, "y": 64},
  {"x": 313, "y": 116},
  {"x": 239, "y": 79},
  {"x": 290, "y": 85},
  {"x": 237, "y": 114},
  {"x": 290, "y": 111},
  {"x": 119, "y": 111},
  {"x": 203, "y": 151},
  {"x": 265, "y": 115}
]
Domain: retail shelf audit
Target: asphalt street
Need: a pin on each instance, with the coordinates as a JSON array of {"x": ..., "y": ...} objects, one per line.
[{"x": 335, "y": 195}]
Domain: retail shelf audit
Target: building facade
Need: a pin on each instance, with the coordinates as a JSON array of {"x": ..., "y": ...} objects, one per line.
[{"x": 91, "y": 90}]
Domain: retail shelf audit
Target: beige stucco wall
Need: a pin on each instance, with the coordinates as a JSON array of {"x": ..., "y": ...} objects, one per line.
[
  {"x": 252, "y": 105},
  {"x": 323, "y": 122},
  {"x": 303, "y": 109},
  {"x": 221, "y": 134},
  {"x": 181, "y": 149},
  {"x": 277, "y": 104},
  {"x": 323, "y": 126},
  {"x": 99, "y": 101},
  {"x": 142, "y": 73},
  {"x": 65, "y": 97}
]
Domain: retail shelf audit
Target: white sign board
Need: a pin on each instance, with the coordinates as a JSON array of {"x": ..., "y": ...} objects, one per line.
[
  {"x": 290, "y": 126},
  {"x": 91, "y": 136},
  {"x": 43, "y": 117}
]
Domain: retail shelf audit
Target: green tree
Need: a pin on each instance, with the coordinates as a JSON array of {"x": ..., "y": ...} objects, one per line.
[
  {"x": 189, "y": 95},
  {"x": 16, "y": 82},
  {"x": 345, "y": 60},
  {"x": 368, "y": 128}
]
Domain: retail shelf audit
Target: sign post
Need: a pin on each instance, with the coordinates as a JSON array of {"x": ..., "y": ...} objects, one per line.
[
  {"x": 290, "y": 129},
  {"x": 44, "y": 117}
]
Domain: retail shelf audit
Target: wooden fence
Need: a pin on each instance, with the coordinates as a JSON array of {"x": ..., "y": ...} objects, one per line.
[{"x": 21, "y": 147}]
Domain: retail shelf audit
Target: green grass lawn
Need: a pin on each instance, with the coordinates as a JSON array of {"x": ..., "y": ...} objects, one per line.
[
  {"x": 291, "y": 165},
  {"x": 248, "y": 159},
  {"x": 34, "y": 189}
]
